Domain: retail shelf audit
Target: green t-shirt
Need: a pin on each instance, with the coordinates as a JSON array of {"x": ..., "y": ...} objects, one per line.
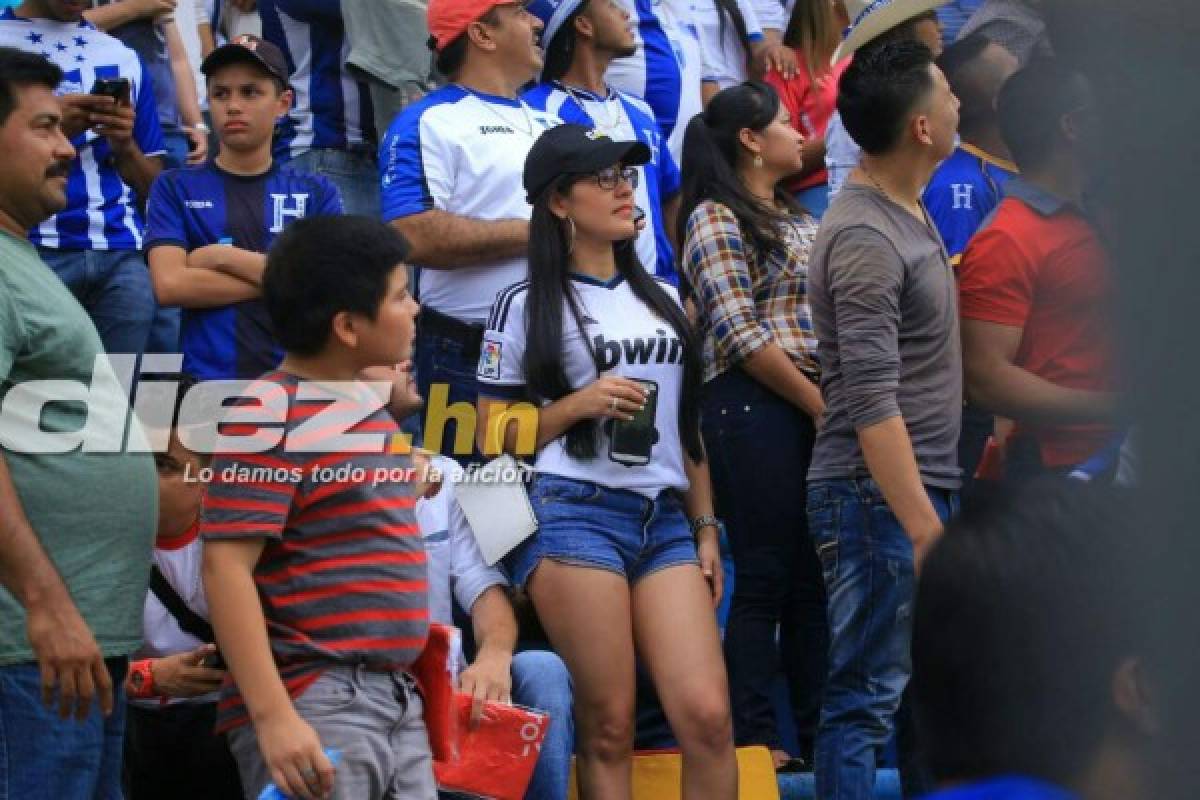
[{"x": 94, "y": 512}]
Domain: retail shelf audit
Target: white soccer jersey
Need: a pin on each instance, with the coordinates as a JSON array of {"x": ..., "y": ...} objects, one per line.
[
  {"x": 630, "y": 342},
  {"x": 724, "y": 57},
  {"x": 667, "y": 69},
  {"x": 461, "y": 151}
]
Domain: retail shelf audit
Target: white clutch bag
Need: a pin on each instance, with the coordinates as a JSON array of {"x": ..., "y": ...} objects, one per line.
[{"x": 494, "y": 500}]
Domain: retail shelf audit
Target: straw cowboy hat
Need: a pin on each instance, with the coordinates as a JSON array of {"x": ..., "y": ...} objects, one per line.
[{"x": 871, "y": 18}]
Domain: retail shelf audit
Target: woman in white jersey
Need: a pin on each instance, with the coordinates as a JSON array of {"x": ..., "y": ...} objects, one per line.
[
  {"x": 745, "y": 258},
  {"x": 606, "y": 352}
]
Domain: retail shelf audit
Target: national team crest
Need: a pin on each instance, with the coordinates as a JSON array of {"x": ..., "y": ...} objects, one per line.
[{"x": 489, "y": 360}]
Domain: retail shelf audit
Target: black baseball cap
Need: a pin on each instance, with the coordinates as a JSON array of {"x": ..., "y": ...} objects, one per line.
[
  {"x": 575, "y": 150},
  {"x": 248, "y": 49}
]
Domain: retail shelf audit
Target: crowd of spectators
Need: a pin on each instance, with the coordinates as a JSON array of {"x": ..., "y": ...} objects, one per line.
[{"x": 814, "y": 302}]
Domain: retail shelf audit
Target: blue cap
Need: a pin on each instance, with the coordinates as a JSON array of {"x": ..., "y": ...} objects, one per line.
[{"x": 552, "y": 13}]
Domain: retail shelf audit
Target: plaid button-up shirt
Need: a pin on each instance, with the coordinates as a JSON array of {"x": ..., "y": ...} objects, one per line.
[{"x": 746, "y": 299}]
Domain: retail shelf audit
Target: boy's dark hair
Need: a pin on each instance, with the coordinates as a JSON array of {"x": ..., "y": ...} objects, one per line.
[
  {"x": 1023, "y": 613},
  {"x": 19, "y": 69},
  {"x": 1031, "y": 107},
  {"x": 879, "y": 91},
  {"x": 449, "y": 60},
  {"x": 321, "y": 266}
]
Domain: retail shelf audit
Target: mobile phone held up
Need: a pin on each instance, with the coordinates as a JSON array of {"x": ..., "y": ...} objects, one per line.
[
  {"x": 117, "y": 88},
  {"x": 632, "y": 440}
]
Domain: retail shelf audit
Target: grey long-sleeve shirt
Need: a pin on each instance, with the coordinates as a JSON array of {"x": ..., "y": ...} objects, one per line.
[{"x": 885, "y": 311}]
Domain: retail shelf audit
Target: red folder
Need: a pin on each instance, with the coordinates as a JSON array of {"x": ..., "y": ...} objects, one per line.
[
  {"x": 496, "y": 759},
  {"x": 436, "y": 672}
]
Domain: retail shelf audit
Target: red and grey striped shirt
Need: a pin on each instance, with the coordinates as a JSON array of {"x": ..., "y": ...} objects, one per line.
[{"x": 342, "y": 576}]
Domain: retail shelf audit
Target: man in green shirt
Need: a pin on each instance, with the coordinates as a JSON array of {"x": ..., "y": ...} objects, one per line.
[{"x": 76, "y": 527}]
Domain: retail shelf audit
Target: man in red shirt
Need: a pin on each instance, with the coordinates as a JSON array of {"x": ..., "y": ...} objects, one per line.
[{"x": 1035, "y": 284}]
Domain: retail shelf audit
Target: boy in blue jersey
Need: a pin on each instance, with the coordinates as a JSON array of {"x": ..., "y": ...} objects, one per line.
[
  {"x": 209, "y": 228},
  {"x": 967, "y": 186},
  {"x": 582, "y": 37},
  {"x": 94, "y": 243}
]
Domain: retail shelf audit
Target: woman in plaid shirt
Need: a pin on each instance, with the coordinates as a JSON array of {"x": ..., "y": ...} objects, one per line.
[{"x": 745, "y": 260}]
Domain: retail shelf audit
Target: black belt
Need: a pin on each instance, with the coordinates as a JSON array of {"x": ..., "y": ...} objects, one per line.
[{"x": 468, "y": 336}]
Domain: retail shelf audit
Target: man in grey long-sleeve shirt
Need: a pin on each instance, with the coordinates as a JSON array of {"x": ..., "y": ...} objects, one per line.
[{"x": 884, "y": 471}]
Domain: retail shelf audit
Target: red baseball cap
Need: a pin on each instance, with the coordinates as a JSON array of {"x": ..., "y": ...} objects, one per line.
[{"x": 448, "y": 19}]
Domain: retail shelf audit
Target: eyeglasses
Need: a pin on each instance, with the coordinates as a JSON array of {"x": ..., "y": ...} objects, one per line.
[{"x": 609, "y": 177}]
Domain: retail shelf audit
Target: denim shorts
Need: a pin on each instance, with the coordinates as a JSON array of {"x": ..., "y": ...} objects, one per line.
[{"x": 587, "y": 525}]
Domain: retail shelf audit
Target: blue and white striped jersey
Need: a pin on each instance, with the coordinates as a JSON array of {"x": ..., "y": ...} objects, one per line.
[
  {"x": 622, "y": 117},
  {"x": 102, "y": 210},
  {"x": 667, "y": 68},
  {"x": 332, "y": 109}
]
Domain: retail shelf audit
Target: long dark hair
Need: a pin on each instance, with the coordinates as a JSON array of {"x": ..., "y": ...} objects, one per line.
[
  {"x": 550, "y": 284},
  {"x": 730, "y": 14},
  {"x": 710, "y": 156}
]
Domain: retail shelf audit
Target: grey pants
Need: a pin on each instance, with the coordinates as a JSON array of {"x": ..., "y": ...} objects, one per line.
[{"x": 374, "y": 719}]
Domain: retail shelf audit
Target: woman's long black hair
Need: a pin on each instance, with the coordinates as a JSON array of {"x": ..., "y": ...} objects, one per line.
[
  {"x": 730, "y": 14},
  {"x": 550, "y": 284},
  {"x": 710, "y": 156}
]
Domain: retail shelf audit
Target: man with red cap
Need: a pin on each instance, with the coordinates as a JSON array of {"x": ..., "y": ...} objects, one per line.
[{"x": 451, "y": 183}]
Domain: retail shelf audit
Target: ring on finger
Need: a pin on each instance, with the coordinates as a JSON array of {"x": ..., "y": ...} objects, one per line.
[
  {"x": 614, "y": 405},
  {"x": 308, "y": 773}
]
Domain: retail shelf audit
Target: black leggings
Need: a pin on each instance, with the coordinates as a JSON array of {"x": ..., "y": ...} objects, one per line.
[{"x": 759, "y": 447}]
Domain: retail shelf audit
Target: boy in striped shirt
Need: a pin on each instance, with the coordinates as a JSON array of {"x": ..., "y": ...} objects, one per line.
[{"x": 313, "y": 566}]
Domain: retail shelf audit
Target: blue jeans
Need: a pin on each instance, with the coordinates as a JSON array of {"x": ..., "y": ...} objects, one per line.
[
  {"x": 177, "y": 145},
  {"x": 43, "y": 757},
  {"x": 541, "y": 681},
  {"x": 113, "y": 286},
  {"x": 355, "y": 173},
  {"x": 443, "y": 361},
  {"x": 165, "y": 330},
  {"x": 867, "y": 561}
]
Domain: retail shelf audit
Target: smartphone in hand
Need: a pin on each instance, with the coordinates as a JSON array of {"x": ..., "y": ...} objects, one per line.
[
  {"x": 632, "y": 440},
  {"x": 117, "y": 88}
]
